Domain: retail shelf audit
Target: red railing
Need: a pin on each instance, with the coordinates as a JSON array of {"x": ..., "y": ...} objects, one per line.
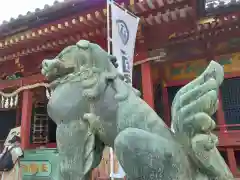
[
  {"x": 229, "y": 134},
  {"x": 228, "y": 128}
]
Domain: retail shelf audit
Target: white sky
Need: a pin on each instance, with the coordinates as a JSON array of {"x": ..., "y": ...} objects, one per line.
[{"x": 12, "y": 8}]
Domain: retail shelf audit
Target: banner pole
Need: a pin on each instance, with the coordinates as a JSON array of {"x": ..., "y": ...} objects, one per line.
[
  {"x": 109, "y": 52},
  {"x": 108, "y": 27},
  {"x": 121, "y": 43}
]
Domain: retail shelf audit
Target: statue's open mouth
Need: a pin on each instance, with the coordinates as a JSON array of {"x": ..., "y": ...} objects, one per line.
[{"x": 55, "y": 69}]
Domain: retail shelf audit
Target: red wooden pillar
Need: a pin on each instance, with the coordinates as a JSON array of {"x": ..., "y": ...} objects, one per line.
[
  {"x": 147, "y": 84},
  {"x": 26, "y": 118},
  {"x": 231, "y": 160},
  {"x": 220, "y": 115}
]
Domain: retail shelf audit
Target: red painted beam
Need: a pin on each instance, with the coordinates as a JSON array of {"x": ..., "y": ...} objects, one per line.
[
  {"x": 5, "y": 84},
  {"x": 213, "y": 35}
]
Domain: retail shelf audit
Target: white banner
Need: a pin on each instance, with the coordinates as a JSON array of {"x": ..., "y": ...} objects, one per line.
[{"x": 124, "y": 31}]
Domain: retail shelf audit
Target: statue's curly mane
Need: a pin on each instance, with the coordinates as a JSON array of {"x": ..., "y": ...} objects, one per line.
[
  {"x": 89, "y": 55},
  {"x": 92, "y": 65}
]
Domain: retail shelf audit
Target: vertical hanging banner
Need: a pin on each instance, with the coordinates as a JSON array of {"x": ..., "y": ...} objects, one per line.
[
  {"x": 124, "y": 31},
  {"x": 123, "y": 37}
]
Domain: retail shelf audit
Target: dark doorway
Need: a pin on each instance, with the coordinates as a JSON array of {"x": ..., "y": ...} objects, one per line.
[
  {"x": 158, "y": 101},
  {"x": 237, "y": 157},
  {"x": 172, "y": 91},
  {"x": 8, "y": 122},
  {"x": 137, "y": 78},
  {"x": 51, "y": 131}
]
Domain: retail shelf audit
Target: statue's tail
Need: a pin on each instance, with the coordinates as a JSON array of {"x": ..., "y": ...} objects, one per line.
[{"x": 214, "y": 70}]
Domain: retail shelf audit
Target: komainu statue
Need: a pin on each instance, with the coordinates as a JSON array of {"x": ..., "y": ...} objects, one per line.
[{"x": 94, "y": 107}]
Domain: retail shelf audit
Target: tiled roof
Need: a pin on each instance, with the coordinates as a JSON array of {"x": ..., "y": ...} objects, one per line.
[
  {"x": 47, "y": 7},
  {"x": 23, "y": 19}
]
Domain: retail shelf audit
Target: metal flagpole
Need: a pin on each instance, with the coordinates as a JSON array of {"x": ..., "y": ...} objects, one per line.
[
  {"x": 108, "y": 26},
  {"x": 109, "y": 40},
  {"x": 114, "y": 11}
]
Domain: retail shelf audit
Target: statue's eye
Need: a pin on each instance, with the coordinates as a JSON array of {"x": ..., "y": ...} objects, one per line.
[{"x": 45, "y": 64}]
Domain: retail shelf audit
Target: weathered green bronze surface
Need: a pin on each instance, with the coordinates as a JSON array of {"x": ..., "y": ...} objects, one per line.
[{"x": 93, "y": 107}]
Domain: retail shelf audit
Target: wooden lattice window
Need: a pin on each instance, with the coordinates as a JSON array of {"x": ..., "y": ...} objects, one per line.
[
  {"x": 40, "y": 124},
  {"x": 230, "y": 90}
]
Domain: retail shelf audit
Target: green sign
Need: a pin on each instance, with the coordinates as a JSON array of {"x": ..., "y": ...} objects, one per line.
[{"x": 36, "y": 168}]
